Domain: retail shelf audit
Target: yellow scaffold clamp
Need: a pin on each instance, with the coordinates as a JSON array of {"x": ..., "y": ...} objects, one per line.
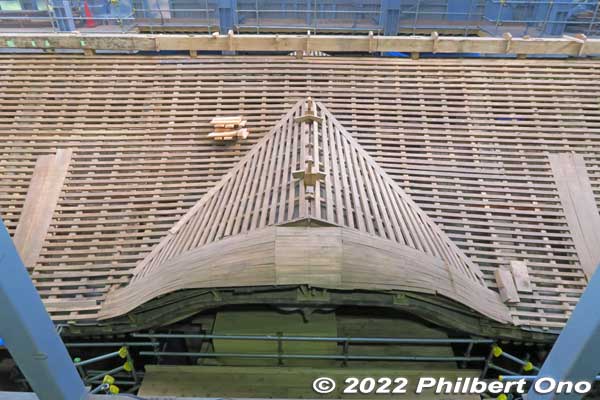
[
  {"x": 496, "y": 351},
  {"x": 123, "y": 352}
]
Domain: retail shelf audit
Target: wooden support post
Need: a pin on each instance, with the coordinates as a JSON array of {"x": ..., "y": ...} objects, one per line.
[
  {"x": 580, "y": 39},
  {"x": 371, "y": 43}
]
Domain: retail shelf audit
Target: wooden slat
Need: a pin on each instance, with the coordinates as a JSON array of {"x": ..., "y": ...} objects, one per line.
[
  {"x": 311, "y": 256},
  {"x": 467, "y": 140}
]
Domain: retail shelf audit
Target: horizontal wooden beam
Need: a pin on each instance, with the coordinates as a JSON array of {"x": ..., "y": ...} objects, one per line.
[{"x": 328, "y": 43}]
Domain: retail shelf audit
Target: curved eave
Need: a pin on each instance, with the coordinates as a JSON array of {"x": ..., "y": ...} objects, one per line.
[{"x": 326, "y": 257}]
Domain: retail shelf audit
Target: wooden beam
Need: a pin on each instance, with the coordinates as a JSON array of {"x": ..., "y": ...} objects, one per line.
[
  {"x": 42, "y": 196},
  {"x": 307, "y": 43},
  {"x": 577, "y": 197}
]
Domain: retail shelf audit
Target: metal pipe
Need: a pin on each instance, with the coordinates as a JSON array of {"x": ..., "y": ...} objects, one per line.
[
  {"x": 116, "y": 382},
  {"x": 312, "y": 339},
  {"x": 96, "y": 359},
  {"x": 518, "y": 360},
  {"x": 104, "y": 373},
  {"x": 101, "y": 388},
  {"x": 310, "y": 356},
  {"x": 504, "y": 370},
  {"x": 108, "y": 344}
]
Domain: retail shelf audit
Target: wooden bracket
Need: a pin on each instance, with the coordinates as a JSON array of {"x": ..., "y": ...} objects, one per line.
[
  {"x": 435, "y": 38},
  {"x": 309, "y": 177},
  {"x": 310, "y": 115},
  {"x": 579, "y": 38},
  {"x": 508, "y": 37},
  {"x": 230, "y": 39}
]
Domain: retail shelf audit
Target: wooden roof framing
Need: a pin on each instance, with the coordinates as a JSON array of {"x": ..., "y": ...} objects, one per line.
[
  {"x": 352, "y": 192},
  {"x": 467, "y": 140}
]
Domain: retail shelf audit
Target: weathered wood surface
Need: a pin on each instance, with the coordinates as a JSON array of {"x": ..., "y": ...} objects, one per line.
[
  {"x": 42, "y": 197},
  {"x": 287, "y": 255},
  {"x": 521, "y": 277},
  {"x": 506, "y": 286},
  {"x": 577, "y": 197},
  {"x": 352, "y": 191},
  {"x": 305, "y": 43},
  {"x": 466, "y": 139}
]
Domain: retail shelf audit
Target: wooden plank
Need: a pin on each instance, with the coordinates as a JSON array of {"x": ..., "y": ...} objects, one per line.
[
  {"x": 506, "y": 286},
  {"x": 42, "y": 197},
  {"x": 577, "y": 197},
  {"x": 521, "y": 276},
  {"x": 305, "y": 43}
]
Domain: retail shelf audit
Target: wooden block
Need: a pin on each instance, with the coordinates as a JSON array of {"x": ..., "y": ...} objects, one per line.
[
  {"x": 506, "y": 285},
  {"x": 229, "y": 134},
  {"x": 521, "y": 276}
]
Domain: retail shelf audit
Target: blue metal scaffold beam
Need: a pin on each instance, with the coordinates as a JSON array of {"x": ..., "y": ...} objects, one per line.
[
  {"x": 576, "y": 354},
  {"x": 29, "y": 334},
  {"x": 63, "y": 15},
  {"x": 227, "y": 15},
  {"x": 390, "y": 17}
]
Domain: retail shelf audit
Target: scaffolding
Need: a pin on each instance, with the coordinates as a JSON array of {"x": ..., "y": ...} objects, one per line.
[{"x": 538, "y": 18}]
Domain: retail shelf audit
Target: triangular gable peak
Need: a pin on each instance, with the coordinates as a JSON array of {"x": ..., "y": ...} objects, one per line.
[
  {"x": 308, "y": 167},
  {"x": 262, "y": 225}
]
